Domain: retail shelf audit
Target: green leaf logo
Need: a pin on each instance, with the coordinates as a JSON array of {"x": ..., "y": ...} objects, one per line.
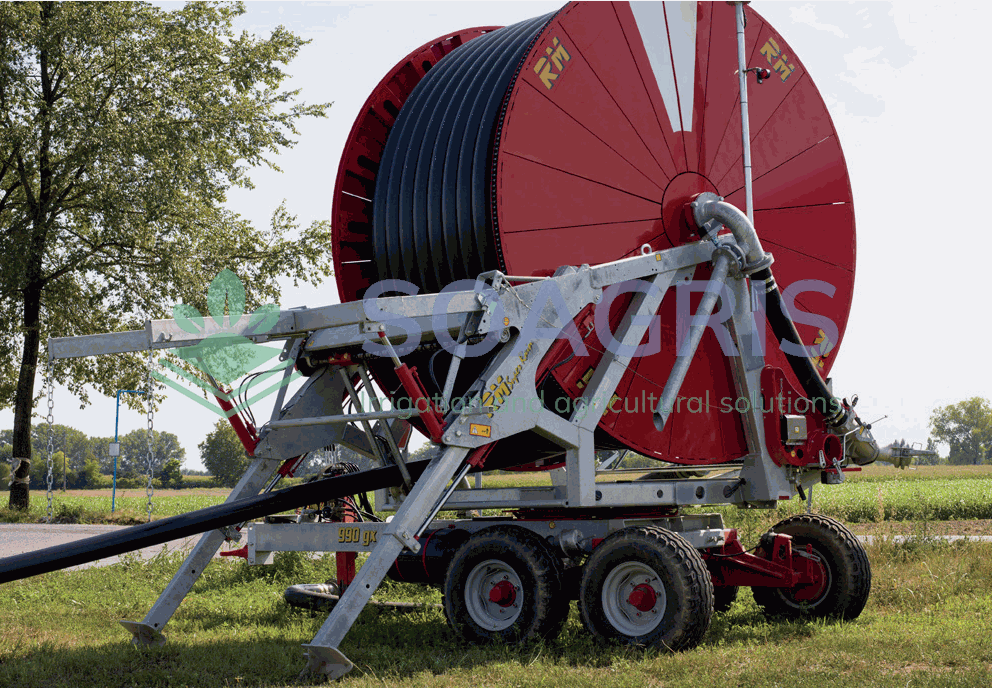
[
  {"x": 226, "y": 289},
  {"x": 264, "y": 318},
  {"x": 189, "y": 318},
  {"x": 226, "y": 356}
]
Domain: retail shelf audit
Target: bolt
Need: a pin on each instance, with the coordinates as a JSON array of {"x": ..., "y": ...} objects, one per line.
[{"x": 458, "y": 433}]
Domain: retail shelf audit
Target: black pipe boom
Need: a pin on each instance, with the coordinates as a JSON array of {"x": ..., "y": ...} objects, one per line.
[{"x": 166, "y": 529}]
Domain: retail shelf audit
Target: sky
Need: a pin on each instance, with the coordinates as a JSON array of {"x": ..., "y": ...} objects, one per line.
[{"x": 900, "y": 81}]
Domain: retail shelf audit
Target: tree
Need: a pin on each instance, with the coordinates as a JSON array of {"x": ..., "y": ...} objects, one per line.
[
  {"x": 223, "y": 454},
  {"x": 967, "y": 428},
  {"x": 39, "y": 471},
  {"x": 6, "y": 454},
  {"x": 71, "y": 442},
  {"x": 133, "y": 461},
  {"x": 122, "y": 126},
  {"x": 426, "y": 452},
  {"x": 89, "y": 476},
  {"x": 172, "y": 474}
]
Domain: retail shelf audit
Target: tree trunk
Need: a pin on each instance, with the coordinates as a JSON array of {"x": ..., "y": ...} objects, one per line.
[
  {"x": 34, "y": 284},
  {"x": 20, "y": 496}
]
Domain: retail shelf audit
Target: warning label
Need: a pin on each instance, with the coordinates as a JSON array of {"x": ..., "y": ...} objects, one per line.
[{"x": 479, "y": 430}]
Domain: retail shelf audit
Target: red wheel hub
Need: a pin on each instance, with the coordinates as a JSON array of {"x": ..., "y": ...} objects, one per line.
[
  {"x": 812, "y": 590},
  {"x": 503, "y": 594},
  {"x": 643, "y": 598}
]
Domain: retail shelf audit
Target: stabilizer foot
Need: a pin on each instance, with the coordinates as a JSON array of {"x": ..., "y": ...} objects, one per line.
[
  {"x": 327, "y": 661},
  {"x": 144, "y": 634}
]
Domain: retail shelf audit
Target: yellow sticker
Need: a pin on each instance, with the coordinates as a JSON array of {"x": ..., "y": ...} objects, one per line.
[
  {"x": 506, "y": 322},
  {"x": 480, "y": 430},
  {"x": 584, "y": 380}
]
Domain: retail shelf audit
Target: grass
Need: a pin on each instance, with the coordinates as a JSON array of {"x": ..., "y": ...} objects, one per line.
[
  {"x": 131, "y": 505},
  {"x": 928, "y": 623}
]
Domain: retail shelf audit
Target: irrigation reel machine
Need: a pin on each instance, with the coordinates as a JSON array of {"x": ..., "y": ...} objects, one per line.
[{"x": 565, "y": 207}]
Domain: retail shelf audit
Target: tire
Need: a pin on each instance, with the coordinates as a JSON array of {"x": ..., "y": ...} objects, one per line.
[
  {"x": 724, "y": 597},
  {"x": 672, "y": 605},
  {"x": 504, "y": 585},
  {"x": 845, "y": 565}
]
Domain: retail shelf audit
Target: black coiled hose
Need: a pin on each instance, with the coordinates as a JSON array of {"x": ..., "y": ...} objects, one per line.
[{"x": 432, "y": 210}]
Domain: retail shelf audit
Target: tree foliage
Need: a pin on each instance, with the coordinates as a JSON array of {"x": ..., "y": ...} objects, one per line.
[
  {"x": 133, "y": 461},
  {"x": 223, "y": 454},
  {"x": 967, "y": 428},
  {"x": 73, "y": 443},
  {"x": 89, "y": 476},
  {"x": 81, "y": 453},
  {"x": 122, "y": 126},
  {"x": 172, "y": 474},
  {"x": 425, "y": 452}
]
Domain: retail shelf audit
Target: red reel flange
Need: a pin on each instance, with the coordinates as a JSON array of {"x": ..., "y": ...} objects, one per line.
[{"x": 615, "y": 117}]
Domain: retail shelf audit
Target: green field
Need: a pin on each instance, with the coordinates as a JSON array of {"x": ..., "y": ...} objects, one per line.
[{"x": 877, "y": 494}]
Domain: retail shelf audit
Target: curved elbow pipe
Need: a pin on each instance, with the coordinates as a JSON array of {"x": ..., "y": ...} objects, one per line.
[{"x": 709, "y": 208}]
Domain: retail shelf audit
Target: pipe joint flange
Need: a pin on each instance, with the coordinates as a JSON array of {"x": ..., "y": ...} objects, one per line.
[
  {"x": 763, "y": 263},
  {"x": 734, "y": 252}
]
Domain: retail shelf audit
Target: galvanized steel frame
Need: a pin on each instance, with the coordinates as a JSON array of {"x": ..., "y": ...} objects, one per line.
[{"x": 315, "y": 416}]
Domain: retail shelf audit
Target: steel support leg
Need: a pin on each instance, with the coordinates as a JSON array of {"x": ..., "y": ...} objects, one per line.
[
  {"x": 149, "y": 631},
  {"x": 323, "y": 655}
]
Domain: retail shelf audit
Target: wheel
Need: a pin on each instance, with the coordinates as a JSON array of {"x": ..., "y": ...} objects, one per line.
[
  {"x": 845, "y": 569},
  {"x": 504, "y": 584},
  {"x": 647, "y": 586},
  {"x": 724, "y": 597}
]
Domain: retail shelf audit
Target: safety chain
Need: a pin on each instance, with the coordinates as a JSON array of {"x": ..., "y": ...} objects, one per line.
[
  {"x": 150, "y": 490},
  {"x": 50, "y": 418}
]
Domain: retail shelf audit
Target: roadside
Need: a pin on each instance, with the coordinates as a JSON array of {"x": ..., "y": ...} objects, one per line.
[{"x": 20, "y": 538}]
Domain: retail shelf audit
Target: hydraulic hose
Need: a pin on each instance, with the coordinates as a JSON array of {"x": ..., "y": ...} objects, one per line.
[
  {"x": 710, "y": 211},
  {"x": 785, "y": 331}
]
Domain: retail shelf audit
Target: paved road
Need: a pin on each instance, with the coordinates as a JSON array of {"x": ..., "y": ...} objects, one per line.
[{"x": 18, "y": 538}]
